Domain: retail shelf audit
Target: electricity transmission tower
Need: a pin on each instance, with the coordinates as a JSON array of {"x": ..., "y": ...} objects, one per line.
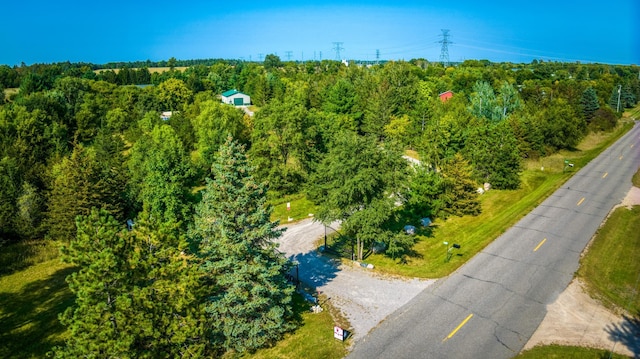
[
  {"x": 289, "y": 53},
  {"x": 377, "y": 57},
  {"x": 337, "y": 46},
  {"x": 444, "y": 52}
]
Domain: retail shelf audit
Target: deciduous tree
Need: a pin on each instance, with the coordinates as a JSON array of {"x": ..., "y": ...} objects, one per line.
[{"x": 358, "y": 182}]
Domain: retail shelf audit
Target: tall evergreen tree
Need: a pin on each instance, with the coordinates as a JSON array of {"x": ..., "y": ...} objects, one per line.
[
  {"x": 459, "y": 189},
  {"x": 249, "y": 298},
  {"x": 589, "y": 103},
  {"x": 76, "y": 187}
]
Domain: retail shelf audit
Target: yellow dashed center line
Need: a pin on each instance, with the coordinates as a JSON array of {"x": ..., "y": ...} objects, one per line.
[
  {"x": 605, "y": 174},
  {"x": 453, "y": 332},
  {"x": 539, "y": 245},
  {"x": 580, "y": 202}
]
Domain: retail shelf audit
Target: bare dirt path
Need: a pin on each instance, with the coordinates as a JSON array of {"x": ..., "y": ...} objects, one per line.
[
  {"x": 577, "y": 319},
  {"x": 364, "y": 297}
]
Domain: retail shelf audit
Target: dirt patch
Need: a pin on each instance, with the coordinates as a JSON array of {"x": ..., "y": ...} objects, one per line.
[{"x": 576, "y": 319}]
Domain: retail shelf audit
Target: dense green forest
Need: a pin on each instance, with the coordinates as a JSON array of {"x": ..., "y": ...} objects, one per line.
[{"x": 82, "y": 151}]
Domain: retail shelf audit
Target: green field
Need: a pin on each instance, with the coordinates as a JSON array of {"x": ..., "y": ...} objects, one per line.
[{"x": 611, "y": 269}]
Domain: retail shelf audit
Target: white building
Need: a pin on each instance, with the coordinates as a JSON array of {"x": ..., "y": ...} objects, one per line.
[{"x": 236, "y": 98}]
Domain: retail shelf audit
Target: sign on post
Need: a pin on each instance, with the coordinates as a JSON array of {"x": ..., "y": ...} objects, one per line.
[{"x": 338, "y": 333}]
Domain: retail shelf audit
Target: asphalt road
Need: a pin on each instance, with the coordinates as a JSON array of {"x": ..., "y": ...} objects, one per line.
[{"x": 492, "y": 305}]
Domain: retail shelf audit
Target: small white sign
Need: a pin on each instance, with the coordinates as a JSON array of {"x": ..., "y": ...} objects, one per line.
[
  {"x": 338, "y": 333},
  {"x": 288, "y": 206}
]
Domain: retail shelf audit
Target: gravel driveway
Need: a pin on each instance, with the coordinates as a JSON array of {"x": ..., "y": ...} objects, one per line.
[{"x": 364, "y": 297}]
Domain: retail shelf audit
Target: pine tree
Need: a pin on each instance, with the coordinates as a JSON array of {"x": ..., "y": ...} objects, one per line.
[
  {"x": 165, "y": 312},
  {"x": 135, "y": 292},
  {"x": 99, "y": 322},
  {"x": 249, "y": 299}
]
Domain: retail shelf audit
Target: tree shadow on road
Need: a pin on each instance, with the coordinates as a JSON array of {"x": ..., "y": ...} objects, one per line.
[
  {"x": 627, "y": 333},
  {"x": 313, "y": 268}
]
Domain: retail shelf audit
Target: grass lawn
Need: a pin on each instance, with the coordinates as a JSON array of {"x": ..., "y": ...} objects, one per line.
[
  {"x": 314, "y": 339},
  {"x": 151, "y": 69},
  {"x": 611, "y": 269},
  {"x": 300, "y": 208},
  {"x": 501, "y": 209},
  {"x": 566, "y": 352},
  {"x": 30, "y": 301}
]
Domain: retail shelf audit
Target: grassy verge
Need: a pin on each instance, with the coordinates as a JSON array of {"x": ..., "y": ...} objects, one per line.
[
  {"x": 314, "y": 339},
  {"x": 501, "y": 209},
  {"x": 566, "y": 352},
  {"x": 30, "y": 301},
  {"x": 611, "y": 270},
  {"x": 300, "y": 208}
]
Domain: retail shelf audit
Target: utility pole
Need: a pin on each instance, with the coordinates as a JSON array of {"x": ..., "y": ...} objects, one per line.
[
  {"x": 444, "y": 51},
  {"x": 619, "y": 91},
  {"x": 337, "y": 46}
]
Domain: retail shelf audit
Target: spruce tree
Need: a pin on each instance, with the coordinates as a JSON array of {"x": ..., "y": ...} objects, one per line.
[
  {"x": 248, "y": 303},
  {"x": 76, "y": 187},
  {"x": 589, "y": 103}
]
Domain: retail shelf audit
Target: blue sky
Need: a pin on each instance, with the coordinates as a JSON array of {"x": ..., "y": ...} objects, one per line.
[{"x": 49, "y": 31}]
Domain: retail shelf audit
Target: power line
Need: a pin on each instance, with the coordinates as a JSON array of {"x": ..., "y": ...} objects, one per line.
[
  {"x": 337, "y": 46},
  {"x": 444, "y": 51}
]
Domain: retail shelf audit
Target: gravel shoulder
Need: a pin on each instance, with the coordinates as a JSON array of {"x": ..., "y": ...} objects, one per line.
[
  {"x": 576, "y": 319},
  {"x": 364, "y": 297}
]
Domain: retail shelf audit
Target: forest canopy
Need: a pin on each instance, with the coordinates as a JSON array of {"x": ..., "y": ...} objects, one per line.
[{"x": 158, "y": 190}]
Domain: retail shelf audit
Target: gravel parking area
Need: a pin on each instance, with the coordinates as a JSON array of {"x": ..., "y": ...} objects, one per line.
[{"x": 364, "y": 297}]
